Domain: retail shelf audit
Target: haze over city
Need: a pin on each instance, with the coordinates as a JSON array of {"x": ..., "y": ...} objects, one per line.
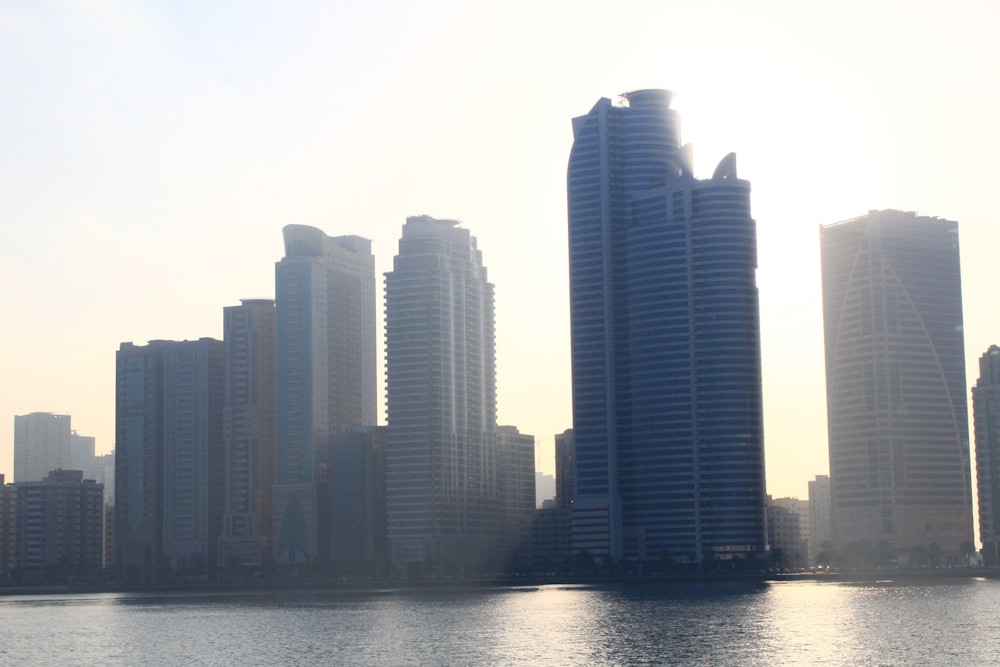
[{"x": 152, "y": 155}]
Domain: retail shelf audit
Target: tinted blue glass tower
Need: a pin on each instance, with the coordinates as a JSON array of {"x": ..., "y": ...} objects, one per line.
[{"x": 667, "y": 413}]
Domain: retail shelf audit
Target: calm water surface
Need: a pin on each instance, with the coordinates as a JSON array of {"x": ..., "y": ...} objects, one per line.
[{"x": 943, "y": 623}]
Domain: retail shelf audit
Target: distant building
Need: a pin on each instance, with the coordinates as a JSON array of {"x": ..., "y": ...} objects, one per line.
[
  {"x": 550, "y": 539},
  {"x": 60, "y": 528},
  {"x": 441, "y": 402},
  {"x": 104, "y": 473},
  {"x": 820, "y": 520},
  {"x": 325, "y": 376},
  {"x": 81, "y": 453},
  {"x": 788, "y": 531},
  {"x": 564, "y": 469},
  {"x": 101, "y": 468},
  {"x": 248, "y": 433},
  {"x": 667, "y": 406},
  {"x": 516, "y": 492},
  {"x": 168, "y": 459},
  {"x": 986, "y": 422},
  {"x": 109, "y": 537},
  {"x": 784, "y": 537},
  {"x": 550, "y": 535},
  {"x": 358, "y": 538},
  {"x": 545, "y": 488},
  {"x": 896, "y": 390},
  {"x": 8, "y": 530},
  {"x": 41, "y": 443}
]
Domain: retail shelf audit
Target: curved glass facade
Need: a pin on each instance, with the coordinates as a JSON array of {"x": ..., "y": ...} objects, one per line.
[{"x": 667, "y": 408}]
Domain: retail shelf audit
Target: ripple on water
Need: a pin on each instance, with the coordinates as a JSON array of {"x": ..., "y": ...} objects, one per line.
[{"x": 953, "y": 622}]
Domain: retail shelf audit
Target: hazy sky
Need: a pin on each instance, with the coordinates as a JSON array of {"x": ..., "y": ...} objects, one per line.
[{"x": 150, "y": 154}]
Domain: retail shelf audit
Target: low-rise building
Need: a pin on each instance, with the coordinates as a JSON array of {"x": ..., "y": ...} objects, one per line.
[
  {"x": 789, "y": 547},
  {"x": 60, "y": 528}
]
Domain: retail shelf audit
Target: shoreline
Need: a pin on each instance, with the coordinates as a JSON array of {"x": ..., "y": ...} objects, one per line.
[{"x": 905, "y": 576}]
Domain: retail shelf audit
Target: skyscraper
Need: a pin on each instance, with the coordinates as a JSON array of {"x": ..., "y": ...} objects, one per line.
[
  {"x": 441, "y": 401},
  {"x": 667, "y": 415},
  {"x": 138, "y": 552},
  {"x": 325, "y": 375},
  {"x": 193, "y": 454},
  {"x": 895, "y": 383},
  {"x": 168, "y": 458},
  {"x": 986, "y": 423},
  {"x": 42, "y": 443},
  {"x": 249, "y": 432}
]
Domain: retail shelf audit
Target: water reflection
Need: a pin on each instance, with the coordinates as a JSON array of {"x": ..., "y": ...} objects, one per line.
[{"x": 701, "y": 624}]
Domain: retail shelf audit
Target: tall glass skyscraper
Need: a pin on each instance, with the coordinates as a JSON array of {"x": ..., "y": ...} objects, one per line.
[
  {"x": 895, "y": 383},
  {"x": 325, "y": 375},
  {"x": 667, "y": 414},
  {"x": 441, "y": 402}
]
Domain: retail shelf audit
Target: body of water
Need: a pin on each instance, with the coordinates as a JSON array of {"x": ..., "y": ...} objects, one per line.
[{"x": 949, "y": 622}]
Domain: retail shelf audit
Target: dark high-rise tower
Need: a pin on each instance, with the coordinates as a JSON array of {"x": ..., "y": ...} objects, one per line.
[
  {"x": 895, "y": 383},
  {"x": 986, "y": 422},
  {"x": 667, "y": 414}
]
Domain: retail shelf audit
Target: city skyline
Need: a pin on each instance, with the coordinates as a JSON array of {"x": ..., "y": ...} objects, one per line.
[{"x": 160, "y": 151}]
